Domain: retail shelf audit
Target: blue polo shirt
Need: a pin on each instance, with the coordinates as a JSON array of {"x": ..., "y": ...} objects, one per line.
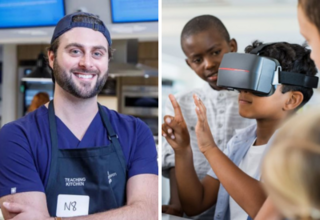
[{"x": 25, "y": 147}]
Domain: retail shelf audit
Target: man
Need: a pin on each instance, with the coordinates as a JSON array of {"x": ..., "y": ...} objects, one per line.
[{"x": 74, "y": 157}]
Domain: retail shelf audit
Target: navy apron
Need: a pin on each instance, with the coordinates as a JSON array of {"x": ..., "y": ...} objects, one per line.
[{"x": 98, "y": 173}]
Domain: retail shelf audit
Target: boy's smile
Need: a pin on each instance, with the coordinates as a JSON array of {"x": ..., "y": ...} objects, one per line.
[{"x": 244, "y": 100}]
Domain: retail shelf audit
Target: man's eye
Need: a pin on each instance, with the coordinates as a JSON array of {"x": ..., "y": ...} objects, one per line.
[
  {"x": 97, "y": 54},
  {"x": 75, "y": 51}
]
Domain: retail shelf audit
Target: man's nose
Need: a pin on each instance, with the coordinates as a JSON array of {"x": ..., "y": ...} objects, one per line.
[{"x": 86, "y": 61}]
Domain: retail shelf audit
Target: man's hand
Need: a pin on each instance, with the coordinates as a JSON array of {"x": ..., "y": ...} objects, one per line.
[
  {"x": 174, "y": 129},
  {"x": 23, "y": 212},
  {"x": 172, "y": 210},
  {"x": 203, "y": 132}
]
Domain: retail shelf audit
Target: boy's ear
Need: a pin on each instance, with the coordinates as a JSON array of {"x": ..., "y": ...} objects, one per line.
[
  {"x": 294, "y": 100},
  {"x": 233, "y": 45},
  {"x": 187, "y": 62}
]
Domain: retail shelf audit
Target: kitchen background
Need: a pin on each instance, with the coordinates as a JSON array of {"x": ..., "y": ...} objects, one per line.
[
  {"x": 246, "y": 21},
  {"x": 132, "y": 86}
]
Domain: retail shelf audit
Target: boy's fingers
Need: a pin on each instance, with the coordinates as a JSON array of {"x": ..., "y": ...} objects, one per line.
[
  {"x": 167, "y": 132},
  {"x": 164, "y": 208},
  {"x": 203, "y": 107},
  {"x": 177, "y": 110},
  {"x": 200, "y": 115},
  {"x": 172, "y": 123},
  {"x": 164, "y": 130},
  {"x": 196, "y": 99}
]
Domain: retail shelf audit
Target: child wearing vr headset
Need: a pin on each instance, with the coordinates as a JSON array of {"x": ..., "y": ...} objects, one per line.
[
  {"x": 204, "y": 41},
  {"x": 274, "y": 82}
]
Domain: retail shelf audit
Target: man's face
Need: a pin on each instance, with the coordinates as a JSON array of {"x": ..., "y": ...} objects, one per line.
[
  {"x": 310, "y": 32},
  {"x": 204, "y": 53},
  {"x": 81, "y": 63}
]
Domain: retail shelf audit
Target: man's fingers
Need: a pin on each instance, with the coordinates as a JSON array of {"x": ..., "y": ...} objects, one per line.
[
  {"x": 177, "y": 111},
  {"x": 13, "y": 207}
]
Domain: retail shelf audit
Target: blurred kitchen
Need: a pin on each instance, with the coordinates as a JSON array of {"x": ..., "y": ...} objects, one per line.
[
  {"x": 26, "y": 27},
  {"x": 246, "y": 21}
]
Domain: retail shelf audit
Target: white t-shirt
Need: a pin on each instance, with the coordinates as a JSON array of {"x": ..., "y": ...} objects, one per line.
[{"x": 250, "y": 164}]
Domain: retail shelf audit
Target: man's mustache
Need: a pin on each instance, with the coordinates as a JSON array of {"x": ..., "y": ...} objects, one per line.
[{"x": 95, "y": 72}]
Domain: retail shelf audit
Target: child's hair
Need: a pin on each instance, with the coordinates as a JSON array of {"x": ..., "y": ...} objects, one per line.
[
  {"x": 311, "y": 9},
  {"x": 38, "y": 100},
  {"x": 291, "y": 168},
  {"x": 203, "y": 23},
  {"x": 292, "y": 58}
]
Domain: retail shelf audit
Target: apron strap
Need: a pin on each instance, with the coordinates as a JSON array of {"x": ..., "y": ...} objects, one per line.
[
  {"x": 54, "y": 140},
  {"x": 113, "y": 137}
]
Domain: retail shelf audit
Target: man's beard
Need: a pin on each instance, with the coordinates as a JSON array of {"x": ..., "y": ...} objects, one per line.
[{"x": 65, "y": 81}]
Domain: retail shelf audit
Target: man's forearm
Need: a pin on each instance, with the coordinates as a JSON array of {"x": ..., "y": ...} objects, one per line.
[
  {"x": 135, "y": 211},
  {"x": 246, "y": 191}
]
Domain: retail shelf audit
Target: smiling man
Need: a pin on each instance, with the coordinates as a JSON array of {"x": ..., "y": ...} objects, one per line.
[{"x": 73, "y": 158}]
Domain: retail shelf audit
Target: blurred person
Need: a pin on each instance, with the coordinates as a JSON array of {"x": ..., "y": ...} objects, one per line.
[
  {"x": 291, "y": 171},
  {"x": 204, "y": 41},
  {"x": 309, "y": 25},
  {"x": 38, "y": 100}
]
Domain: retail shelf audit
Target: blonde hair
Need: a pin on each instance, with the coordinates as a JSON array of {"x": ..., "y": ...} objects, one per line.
[
  {"x": 38, "y": 100},
  {"x": 291, "y": 169}
]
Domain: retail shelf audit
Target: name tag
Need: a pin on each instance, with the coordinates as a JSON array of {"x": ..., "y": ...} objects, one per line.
[{"x": 72, "y": 205}]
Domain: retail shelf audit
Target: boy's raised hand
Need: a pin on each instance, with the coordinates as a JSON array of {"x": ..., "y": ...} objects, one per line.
[
  {"x": 174, "y": 129},
  {"x": 203, "y": 132}
]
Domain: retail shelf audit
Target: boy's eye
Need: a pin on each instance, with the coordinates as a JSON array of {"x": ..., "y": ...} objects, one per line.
[
  {"x": 217, "y": 52},
  {"x": 197, "y": 60}
]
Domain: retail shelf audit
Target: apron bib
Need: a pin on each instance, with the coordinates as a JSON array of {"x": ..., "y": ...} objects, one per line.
[{"x": 87, "y": 180}]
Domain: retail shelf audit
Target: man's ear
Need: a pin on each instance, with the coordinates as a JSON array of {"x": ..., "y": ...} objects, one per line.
[
  {"x": 295, "y": 98},
  {"x": 233, "y": 45},
  {"x": 50, "y": 58}
]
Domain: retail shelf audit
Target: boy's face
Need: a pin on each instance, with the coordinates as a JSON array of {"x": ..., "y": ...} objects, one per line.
[
  {"x": 255, "y": 107},
  {"x": 310, "y": 32},
  {"x": 204, "y": 53}
]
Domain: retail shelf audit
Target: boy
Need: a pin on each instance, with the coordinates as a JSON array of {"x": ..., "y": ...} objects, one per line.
[
  {"x": 204, "y": 40},
  {"x": 233, "y": 182}
]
